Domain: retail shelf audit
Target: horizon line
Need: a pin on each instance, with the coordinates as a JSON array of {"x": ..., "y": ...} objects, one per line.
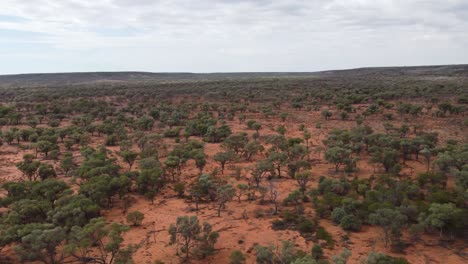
[{"x": 234, "y": 72}]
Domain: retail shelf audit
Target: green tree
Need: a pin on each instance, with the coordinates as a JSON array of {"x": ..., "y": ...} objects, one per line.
[
  {"x": 129, "y": 157},
  {"x": 223, "y": 158},
  {"x": 44, "y": 147},
  {"x": 145, "y": 123},
  {"x": 29, "y": 167},
  {"x": 173, "y": 164},
  {"x": 257, "y": 127},
  {"x": 224, "y": 194},
  {"x": 338, "y": 156},
  {"x": 96, "y": 163},
  {"x": 150, "y": 181},
  {"x": 9, "y": 136},
  {"x": 278, "y": 159},
  {"x": 344, "y": 115},
  {"x": 135, "y": 218},
  {"x": 236, "y": 142},
  {"x": 107, "y": 238},
  {"x": 46, "y": 171},
  {"x": 28, "y": 211},
  {"x": 283, "y": 116},
  {"x": 294, "y": 198},
  {"x": 281, "y": 130},
  {"x": 302, "y": 179},
  {"x": 100, "y": 190},
  {"x": 200, "y": 159},
  {"x": 67, "y": 164},
  {"x": 262, "y": 169},
  {"x": 203, "y": 188},
  {"x": 427, "y": 156},
  {"x": 442, "y": 217},
  {"x": 389, "y": 220},
  {"x": 241, "y": 190},
  {"x": 251, "y": 149},
  {"x": 190, "y": 235},
  {"x": 350, "y": 222},
  {"x": 327, "y": 114},
  {"x": 72, "y": 210},
  {"x": 287, "y": 253},
  {"x": 179, "y": 188},
  {"x": 445, "y": 106},
  {"x": 307, "y": 137},
  {"x": 42, "y": 245},
  {"x": 388, "y": 157}
]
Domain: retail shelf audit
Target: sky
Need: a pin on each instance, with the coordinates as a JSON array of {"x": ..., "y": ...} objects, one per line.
[{"x": 229, "y": 35}]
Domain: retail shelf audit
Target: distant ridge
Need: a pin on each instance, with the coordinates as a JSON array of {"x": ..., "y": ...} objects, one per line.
[
  {"x": 74, "y": 78},
  {"x": 433, "y": 70}
]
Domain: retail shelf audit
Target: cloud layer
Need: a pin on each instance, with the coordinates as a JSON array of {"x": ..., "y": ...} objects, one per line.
[{"x": 229, "y": 35}]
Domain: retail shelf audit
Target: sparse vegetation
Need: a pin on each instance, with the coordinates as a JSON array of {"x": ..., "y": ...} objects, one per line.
[{"x": 247, "y": 156}]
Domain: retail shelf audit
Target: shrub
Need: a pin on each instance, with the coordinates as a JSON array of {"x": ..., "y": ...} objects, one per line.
[
  {"x": 338, "y": 214},
  {"x": 381, "y": 258},
  {"x": 290, "y": 217},
  {"x": 179, "y": 188},
  {"x": 264, "y": 254},
  {"x": 306, "y": 226},
  {"x": 350, "y": 222},
  {"x": 317, "y": 251},
  {"x": 343, "y": 257},
  {"x": 324, "y": 235},
  {"x": 236, "y": 257},
  {"x": 135, "y": 218},
  {"x": 278, "y": 225}
]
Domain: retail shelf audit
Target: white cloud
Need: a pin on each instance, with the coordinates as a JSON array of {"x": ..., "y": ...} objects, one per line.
[{"x": 230, "y": 35}]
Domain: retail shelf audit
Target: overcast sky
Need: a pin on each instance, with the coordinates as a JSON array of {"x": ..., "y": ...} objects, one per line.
[{"x": 229, "y": 35}]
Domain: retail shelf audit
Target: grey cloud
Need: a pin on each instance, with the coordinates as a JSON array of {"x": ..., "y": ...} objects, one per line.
[{"x": 217, "y": 35}]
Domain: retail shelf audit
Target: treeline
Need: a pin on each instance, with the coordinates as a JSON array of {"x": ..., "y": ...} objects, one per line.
[{"x": 260, "y": 89}]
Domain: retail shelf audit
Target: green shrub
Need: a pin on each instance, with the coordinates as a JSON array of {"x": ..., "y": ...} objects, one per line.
[
  {"x": 179, "y": 188},
  {"x": 324, "y": 235},
  {"x": 135, "y": 218},
  {"x": 350, "y": 222},
  {"x": 236, "y": 257},
  {"x": 381, "y": 258},
  {"x": 317, "y": 251},
  {"x": 279, "y": 225},
  {"x": 306, "y": 226}
]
